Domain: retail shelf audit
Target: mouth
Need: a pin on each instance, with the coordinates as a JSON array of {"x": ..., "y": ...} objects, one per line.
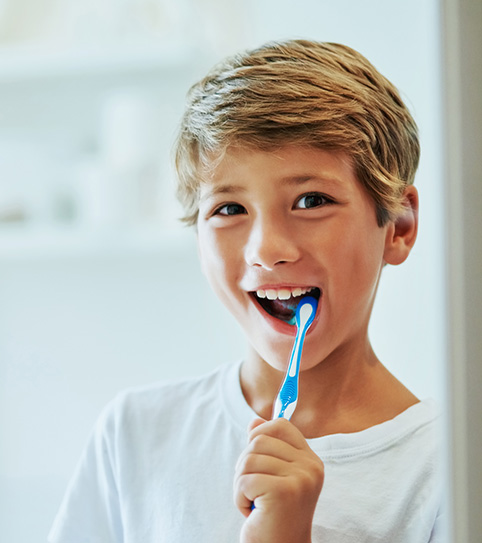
[{"x": 282, "y": 303}]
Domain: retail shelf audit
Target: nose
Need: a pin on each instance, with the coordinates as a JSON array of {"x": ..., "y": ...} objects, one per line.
[{"x": 270, "y": 243}]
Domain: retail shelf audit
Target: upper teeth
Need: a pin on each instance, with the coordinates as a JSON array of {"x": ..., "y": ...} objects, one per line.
[{"x": 282, "y": 293}]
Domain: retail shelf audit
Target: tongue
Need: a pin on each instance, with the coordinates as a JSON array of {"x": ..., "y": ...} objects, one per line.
[{"x": 281, "y": 309}]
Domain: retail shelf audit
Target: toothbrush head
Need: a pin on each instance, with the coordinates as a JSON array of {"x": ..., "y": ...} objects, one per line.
[{"x": 305, "y": 312}]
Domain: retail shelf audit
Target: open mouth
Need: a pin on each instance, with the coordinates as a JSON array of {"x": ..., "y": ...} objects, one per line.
[{"x": 282, "y": 303}]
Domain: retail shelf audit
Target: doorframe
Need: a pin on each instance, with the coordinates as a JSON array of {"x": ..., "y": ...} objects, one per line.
[{"x": 461, "y": 33}]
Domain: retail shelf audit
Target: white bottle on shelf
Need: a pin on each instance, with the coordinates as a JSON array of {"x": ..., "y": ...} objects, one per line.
[{"x": 120, "y": 186}]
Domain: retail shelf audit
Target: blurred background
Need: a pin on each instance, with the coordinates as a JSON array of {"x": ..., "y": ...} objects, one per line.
[{"x": 100, "y": 288}]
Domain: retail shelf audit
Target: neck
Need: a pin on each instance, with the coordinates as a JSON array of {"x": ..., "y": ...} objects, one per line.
[{"x": 347, "y": 392}]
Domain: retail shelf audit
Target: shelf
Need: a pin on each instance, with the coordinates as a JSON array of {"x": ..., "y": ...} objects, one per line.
[
  {"x": 55, "y": 96},
  {"x": 27, "y": 63},
  {"x": 26, "y": 243}
]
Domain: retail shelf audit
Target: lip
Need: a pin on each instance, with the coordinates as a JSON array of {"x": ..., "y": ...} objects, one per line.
[{"x": 278, "y": 325}]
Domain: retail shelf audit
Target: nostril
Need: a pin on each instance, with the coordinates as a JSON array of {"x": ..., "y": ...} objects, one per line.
[
  {"x": 270, "y": 257},
  {"x": 271, "y": 243}
]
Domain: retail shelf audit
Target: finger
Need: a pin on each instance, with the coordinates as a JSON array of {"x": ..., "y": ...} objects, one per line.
[
  {"x": 269, "y": 446},
  {"x": 249, "y": 487},
  {"x": 259, "y": 463},
  {"x": 280, "y": 429},
  {"x": 299, "y": 487},
  {"x": 255, "y": 423}
]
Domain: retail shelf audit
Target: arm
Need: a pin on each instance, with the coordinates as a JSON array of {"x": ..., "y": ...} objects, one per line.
[{"x": 283, "y": 477}]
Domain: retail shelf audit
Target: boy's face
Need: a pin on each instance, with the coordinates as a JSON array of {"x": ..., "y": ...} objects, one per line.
[{"x": 275, "y": 224}]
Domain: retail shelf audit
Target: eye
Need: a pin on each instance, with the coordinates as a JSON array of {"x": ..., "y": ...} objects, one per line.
[
  {"x": 312, "y": 200},
  {"x": 230, "y": 209}
]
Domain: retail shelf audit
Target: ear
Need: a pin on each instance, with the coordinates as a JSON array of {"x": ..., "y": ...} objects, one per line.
[{"x": 402, "y": 232}]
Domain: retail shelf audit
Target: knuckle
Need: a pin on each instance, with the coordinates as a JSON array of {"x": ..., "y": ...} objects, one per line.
[
  {"x": 320, "y": 474},
  {"x": 281, "y": 426},
  {"x": 240, "y": 485},
  {"x": 316, "y": 473},
  {"x": 308, "y": 478},
  {"x": 248, "y": 464},
  {"x": 259, "y": 443}
]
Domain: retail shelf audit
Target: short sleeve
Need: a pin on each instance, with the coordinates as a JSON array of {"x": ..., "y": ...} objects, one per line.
[
  {"x": 90, "y": 511},
  {"x": 439, "y": 531}
]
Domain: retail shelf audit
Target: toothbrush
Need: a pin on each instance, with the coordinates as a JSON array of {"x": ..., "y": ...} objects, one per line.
[{"x": 287, "y": 398}]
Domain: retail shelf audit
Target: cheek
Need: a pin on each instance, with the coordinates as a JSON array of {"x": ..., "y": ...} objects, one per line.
[
  {"x": 216, "y": 260},
  {"x": 208, "y": 246},
  {"x": 364, "y": 275},
  {"x": 357, "y": 259}
]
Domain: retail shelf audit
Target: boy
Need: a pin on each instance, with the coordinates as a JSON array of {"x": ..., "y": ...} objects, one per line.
[{"x": 296, "y": 163}]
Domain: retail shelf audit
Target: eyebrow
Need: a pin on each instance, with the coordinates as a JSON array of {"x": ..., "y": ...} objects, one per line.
[
  {"x": 300, "y": 179},
  {"x": 292, "y": 180},
  {"x": 222, "y": 189}
]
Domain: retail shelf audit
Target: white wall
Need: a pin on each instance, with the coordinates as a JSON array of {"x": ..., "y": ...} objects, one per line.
[{"x": 77, "y": 325}]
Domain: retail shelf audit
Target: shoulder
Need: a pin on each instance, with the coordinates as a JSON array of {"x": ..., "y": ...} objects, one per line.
[
  {"x": 400, "y": 461},
  {"x": 411, "y": 447},
  {"x": 421, "y": 422},
  {"x": 162, "y": 403},
  {"x": 416, "y": 428},
  {"x": 416, "y": 433}
]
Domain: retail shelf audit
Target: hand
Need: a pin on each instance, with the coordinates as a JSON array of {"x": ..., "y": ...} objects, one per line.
[{"x": 283, "y": 477}]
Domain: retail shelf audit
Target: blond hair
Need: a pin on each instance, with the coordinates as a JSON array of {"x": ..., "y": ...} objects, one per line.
[{"x": 322, "y": 95}]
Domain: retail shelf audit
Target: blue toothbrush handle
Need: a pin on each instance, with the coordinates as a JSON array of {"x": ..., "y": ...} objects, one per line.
[{"x": 287, "y": 398}]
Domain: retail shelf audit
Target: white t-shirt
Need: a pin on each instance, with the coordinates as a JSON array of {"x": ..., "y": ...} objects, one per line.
[{"x": 159, "y": 467}]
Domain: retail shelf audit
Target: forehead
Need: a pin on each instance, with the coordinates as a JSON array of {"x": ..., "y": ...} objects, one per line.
[{"x": 239, "y": 168}]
